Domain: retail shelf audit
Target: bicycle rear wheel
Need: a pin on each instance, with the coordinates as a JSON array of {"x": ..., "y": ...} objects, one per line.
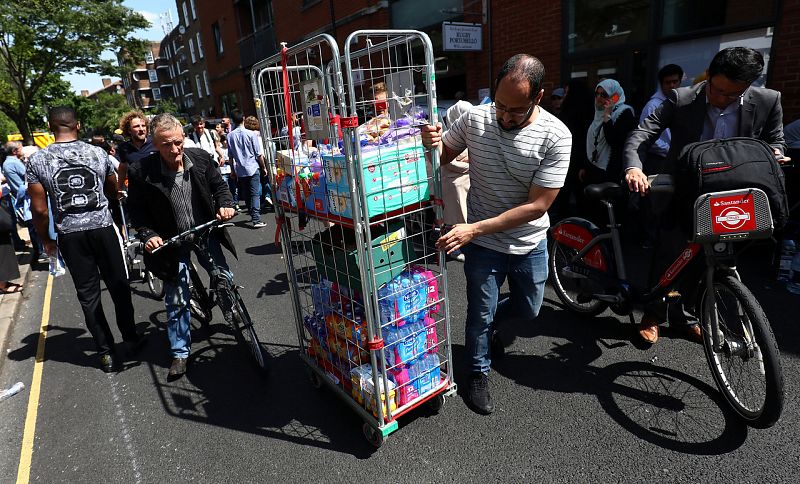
[
  {"x": 154, "y": 284},
  {"x": 200, "y": 304},
  {"x": 573, "y": 290},
  {"x": 243, "y": 330},
  {"x": 747, "y": 368}
]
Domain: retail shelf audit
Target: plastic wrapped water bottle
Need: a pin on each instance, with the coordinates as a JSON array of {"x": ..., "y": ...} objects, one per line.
[
  {"x": 12, "y": 390},
  {"x": 57, "y": 265},
  {"x": 788, "y": 249},
  {"x": 793, "y": 285}
]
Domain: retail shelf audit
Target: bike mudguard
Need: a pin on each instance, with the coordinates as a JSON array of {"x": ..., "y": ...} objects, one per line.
[{"x": 577, "y": 233}]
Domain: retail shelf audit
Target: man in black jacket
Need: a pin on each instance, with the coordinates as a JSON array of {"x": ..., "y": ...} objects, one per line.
[
  {"x": 724, "y": 106},
  {"x": 169, "y": 192}
]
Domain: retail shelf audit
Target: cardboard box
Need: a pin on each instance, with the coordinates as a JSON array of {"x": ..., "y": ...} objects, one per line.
[
  {"x": 290, "y": 163},
  {"x": 335, "y": 255}
]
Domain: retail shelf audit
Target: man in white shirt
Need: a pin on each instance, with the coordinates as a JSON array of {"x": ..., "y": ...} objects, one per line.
[
  {"x": 519, "y": 156},
  {"x": 206, "y": 139}
]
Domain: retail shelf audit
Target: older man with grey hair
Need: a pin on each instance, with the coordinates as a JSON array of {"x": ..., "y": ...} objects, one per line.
[{"x": 170, "y": 191}]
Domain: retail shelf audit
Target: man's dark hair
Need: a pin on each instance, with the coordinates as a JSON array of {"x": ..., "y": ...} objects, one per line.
[
  {"x": 669, "y": 70},
  {"x": 197, "y": 119},
  {"x": 523, "y": 67},
  {"x": 237, "y": 117},
  {"x": 62, "y": 118},
  {"x": 739, "y": 64}
]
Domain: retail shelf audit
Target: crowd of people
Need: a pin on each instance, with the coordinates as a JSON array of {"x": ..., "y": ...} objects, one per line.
[{"x": 505, "y": 165}]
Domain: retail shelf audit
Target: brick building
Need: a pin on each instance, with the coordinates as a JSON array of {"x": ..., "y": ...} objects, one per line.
[
  {"x": 143, "y": 85},
  {"x": 108, "y": 87},
  {"x": 624, "y": 39}
]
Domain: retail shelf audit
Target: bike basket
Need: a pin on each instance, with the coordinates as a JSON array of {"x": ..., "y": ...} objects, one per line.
[{"x": 732, "y": 215}]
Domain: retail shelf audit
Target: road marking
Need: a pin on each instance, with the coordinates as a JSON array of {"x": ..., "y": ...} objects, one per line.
[{"x": 24, "y": 470}]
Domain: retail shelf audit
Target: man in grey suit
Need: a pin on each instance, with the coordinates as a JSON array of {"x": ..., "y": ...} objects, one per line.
[{"x": 724, "y": 106}]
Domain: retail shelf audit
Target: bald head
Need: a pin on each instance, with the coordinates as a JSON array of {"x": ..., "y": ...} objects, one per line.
[
  {"x": 63, "y": 119},
  {"x": 523, "y": 68}
]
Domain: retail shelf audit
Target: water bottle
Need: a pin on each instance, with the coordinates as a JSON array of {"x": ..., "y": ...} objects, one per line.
[
  {"x": 788, "y": 249},
  {"x": 793, "y": 285},
  {"x": 12, "y": 390},
  {"x": 56, "y": 265}
]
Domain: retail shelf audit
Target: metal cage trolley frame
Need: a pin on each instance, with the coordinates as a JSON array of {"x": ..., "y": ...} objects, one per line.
[{"x": 358, "y": 213}]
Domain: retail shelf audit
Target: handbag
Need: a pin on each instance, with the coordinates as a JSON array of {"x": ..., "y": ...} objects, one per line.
[{"x": 6, "y": 221}]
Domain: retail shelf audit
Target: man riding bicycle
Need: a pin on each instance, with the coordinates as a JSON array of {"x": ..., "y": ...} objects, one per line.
[
  {"x": 169, "y": 192},
  {"x": 724, "y": 106}
]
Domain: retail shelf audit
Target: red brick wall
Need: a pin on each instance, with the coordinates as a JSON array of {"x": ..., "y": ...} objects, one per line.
[
  {"x": 784, "y": 73},
  {"x": 518, "y": 29},
  {"x": 293, "y": 22}
]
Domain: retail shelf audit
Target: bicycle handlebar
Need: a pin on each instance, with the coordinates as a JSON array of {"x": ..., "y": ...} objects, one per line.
[{"x": 211, "y": 224}]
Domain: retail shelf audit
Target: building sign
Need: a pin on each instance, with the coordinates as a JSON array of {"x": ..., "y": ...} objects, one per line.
[{"x": 459, "y": 36}]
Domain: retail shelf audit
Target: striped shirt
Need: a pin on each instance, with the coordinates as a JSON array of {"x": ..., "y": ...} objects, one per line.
[
  {"x": 504, "y": 166},
  {"x": 180, "y": 194}
]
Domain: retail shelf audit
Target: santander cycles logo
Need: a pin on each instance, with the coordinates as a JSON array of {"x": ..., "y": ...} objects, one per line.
[{"x": 732, "y": 214}]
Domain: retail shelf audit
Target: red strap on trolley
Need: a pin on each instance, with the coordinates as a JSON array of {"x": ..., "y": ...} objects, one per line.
[
  {"x": 375, "y": 344},
  {"x": 279, "y": 221},
  {"x": 351, "y": 122},
  {"x": 287, "y": 106}
]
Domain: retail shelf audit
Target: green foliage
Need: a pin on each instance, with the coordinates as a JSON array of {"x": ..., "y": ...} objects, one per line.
[
  {"x": 42, "y": 39},
  {"x": 7, "y": 127},
  {"x": 101, "y": 116},
  {"x": 165, "y": 106}
]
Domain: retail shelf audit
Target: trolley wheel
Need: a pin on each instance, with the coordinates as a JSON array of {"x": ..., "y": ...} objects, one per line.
[
  {"x": 436, "y": 403},
  {"x": 316, "y": 382},
  {"x": 373, "y": 435},
  {"x": 497, "y": 347}
]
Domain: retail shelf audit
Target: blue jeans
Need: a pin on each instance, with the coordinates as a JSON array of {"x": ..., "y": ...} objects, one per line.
[
  {"x": 176, "y": 299},
  {"x": 232, "y": 187},
  {"x": 486, "y": 270},
  {"x": 250, "y": 189}
]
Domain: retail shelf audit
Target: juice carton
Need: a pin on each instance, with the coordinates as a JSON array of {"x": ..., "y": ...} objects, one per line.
[
  {"x": 371, "y": 400},
  {"x": 358, "y": 376}
]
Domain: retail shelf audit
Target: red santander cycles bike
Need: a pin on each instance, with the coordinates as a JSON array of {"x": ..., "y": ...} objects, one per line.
[{"x": 588, "y": 274}]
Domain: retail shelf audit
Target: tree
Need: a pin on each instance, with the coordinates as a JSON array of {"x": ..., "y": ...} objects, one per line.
[
  {"x": 101, "y": 115},
  {"x": 42, "y": 39},
  {"x": 7, "y": 127},
  {"x": 166, "y": 106}
]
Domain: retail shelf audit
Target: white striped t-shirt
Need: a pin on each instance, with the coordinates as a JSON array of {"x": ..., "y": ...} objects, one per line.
[{"x": 504, "y": 166}]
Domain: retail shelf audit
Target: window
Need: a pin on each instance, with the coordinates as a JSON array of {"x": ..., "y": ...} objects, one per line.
[
  {"x": 148, "y": 57},
  {"x": 153, "y": 75},
  {"x": 593, "y": 25},
  {"x": 194, "y": 11},
  {"x": 199, "y": 46},
  {"x": 171, "y": 74},
  {"x": 262, "y": 12},
  {"x": 682, "y": 16},
  {"x": 174, "y": 48},
  {"x": 191, "y": 51},
  {"x": 185, "y": 15},
  {"x": 199, "y": 86},
  {"x": 217, "y": 38},
  {"x": 156, "y": 94},
  {"x": 208, "y": 86}
]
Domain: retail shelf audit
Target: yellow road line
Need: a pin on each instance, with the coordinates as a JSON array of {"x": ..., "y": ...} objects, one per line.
[{"x": 24, "y": 470}]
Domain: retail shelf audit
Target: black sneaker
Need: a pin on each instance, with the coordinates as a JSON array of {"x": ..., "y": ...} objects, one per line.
[
  {"x": 479, "y": 398},
  {"x": 108, "y": 363}
]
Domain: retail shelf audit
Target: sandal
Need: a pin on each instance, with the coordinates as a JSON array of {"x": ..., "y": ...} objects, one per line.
[{"x": 11, "y": 288}]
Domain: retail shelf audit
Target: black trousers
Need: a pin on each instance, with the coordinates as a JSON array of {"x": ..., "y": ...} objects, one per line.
[{"x": 91, "y": 255}]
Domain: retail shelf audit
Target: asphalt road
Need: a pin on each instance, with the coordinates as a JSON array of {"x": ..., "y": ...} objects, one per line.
[{"x": 576, "y": 402}]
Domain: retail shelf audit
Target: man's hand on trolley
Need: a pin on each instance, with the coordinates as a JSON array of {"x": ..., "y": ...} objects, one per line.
[
  {"x": 153, "y": 243},
  {"x": 457, "y": 237},
  {"x": 431, "y": 135},
  {"x": 225, "y": 213},
  {"x": 637, "y": 181}
]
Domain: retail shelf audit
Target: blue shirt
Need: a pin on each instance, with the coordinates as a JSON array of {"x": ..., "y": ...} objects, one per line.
[
  {"x": 14, "y": 171},
  {"x": 244, "y": 148},
  {"x": 661, "y": 146},
  {"x": 721, "y": 123},
  {"x": 128, "y": 153}
]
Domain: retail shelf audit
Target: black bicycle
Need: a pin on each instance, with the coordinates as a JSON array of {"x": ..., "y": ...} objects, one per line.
[
  {"x": 133, "y": 249},
  {"x": 222, "y": 291}
]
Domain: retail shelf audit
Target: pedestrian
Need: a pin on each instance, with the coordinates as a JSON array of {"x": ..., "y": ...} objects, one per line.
[
  {"x": 78, "y": 178},
  {"x": 518, "y": 155},
  {"x": 556, "y": 98},
  {"x": 265, "y": 193},
  {"x": 9, "y": 266},
  {"x": 133, "y": 125},
  {"x": 455, "y": 178},
  {"x": 247, "y": 155},
  {"x": 171, "y": 191},
  {"x": 613, "y": 121},
  {"x": 722, "y": 106},
  {"x": 577, "y": 113},
  {"x": 22, "y": 205},
  {"x": 206, "y": 139},
  {"x": 16, "y": 197},
  {"x": 669, "y": 77},
  {"x": 227, "y": 170}
]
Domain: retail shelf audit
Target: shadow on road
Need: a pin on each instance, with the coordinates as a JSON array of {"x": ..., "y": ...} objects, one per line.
[{"x": 660, "y": 405}]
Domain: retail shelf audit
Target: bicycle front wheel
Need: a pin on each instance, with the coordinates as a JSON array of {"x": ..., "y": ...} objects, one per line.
[
  {"x": 573, "y": 290},
  {"x": 244, "y": 332},
  {"x": 747, "y": 368}
]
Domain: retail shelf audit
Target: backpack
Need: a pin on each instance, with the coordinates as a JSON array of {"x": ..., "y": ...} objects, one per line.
[{"x": 729, "y": 164}]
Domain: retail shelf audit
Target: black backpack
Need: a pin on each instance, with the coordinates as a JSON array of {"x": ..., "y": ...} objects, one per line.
[{"x": 729, "y": 164}]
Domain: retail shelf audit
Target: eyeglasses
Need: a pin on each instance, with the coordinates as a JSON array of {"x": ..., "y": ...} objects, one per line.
[
  {"x": 514, "y": 113},
  {"x": 719, "y": 92},
  {"x": 601, "y": 94}
]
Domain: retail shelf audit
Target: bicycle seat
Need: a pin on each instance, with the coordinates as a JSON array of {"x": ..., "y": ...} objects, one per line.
[{"x": 603, "y": 191}]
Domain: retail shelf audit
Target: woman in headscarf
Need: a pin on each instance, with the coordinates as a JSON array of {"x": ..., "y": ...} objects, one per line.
[
  {"x": 455, "y": 178},
  {"x": 605, "y": 139}
]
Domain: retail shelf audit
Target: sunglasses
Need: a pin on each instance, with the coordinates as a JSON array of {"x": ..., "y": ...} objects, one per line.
[{"x": 601, "y": 94}]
